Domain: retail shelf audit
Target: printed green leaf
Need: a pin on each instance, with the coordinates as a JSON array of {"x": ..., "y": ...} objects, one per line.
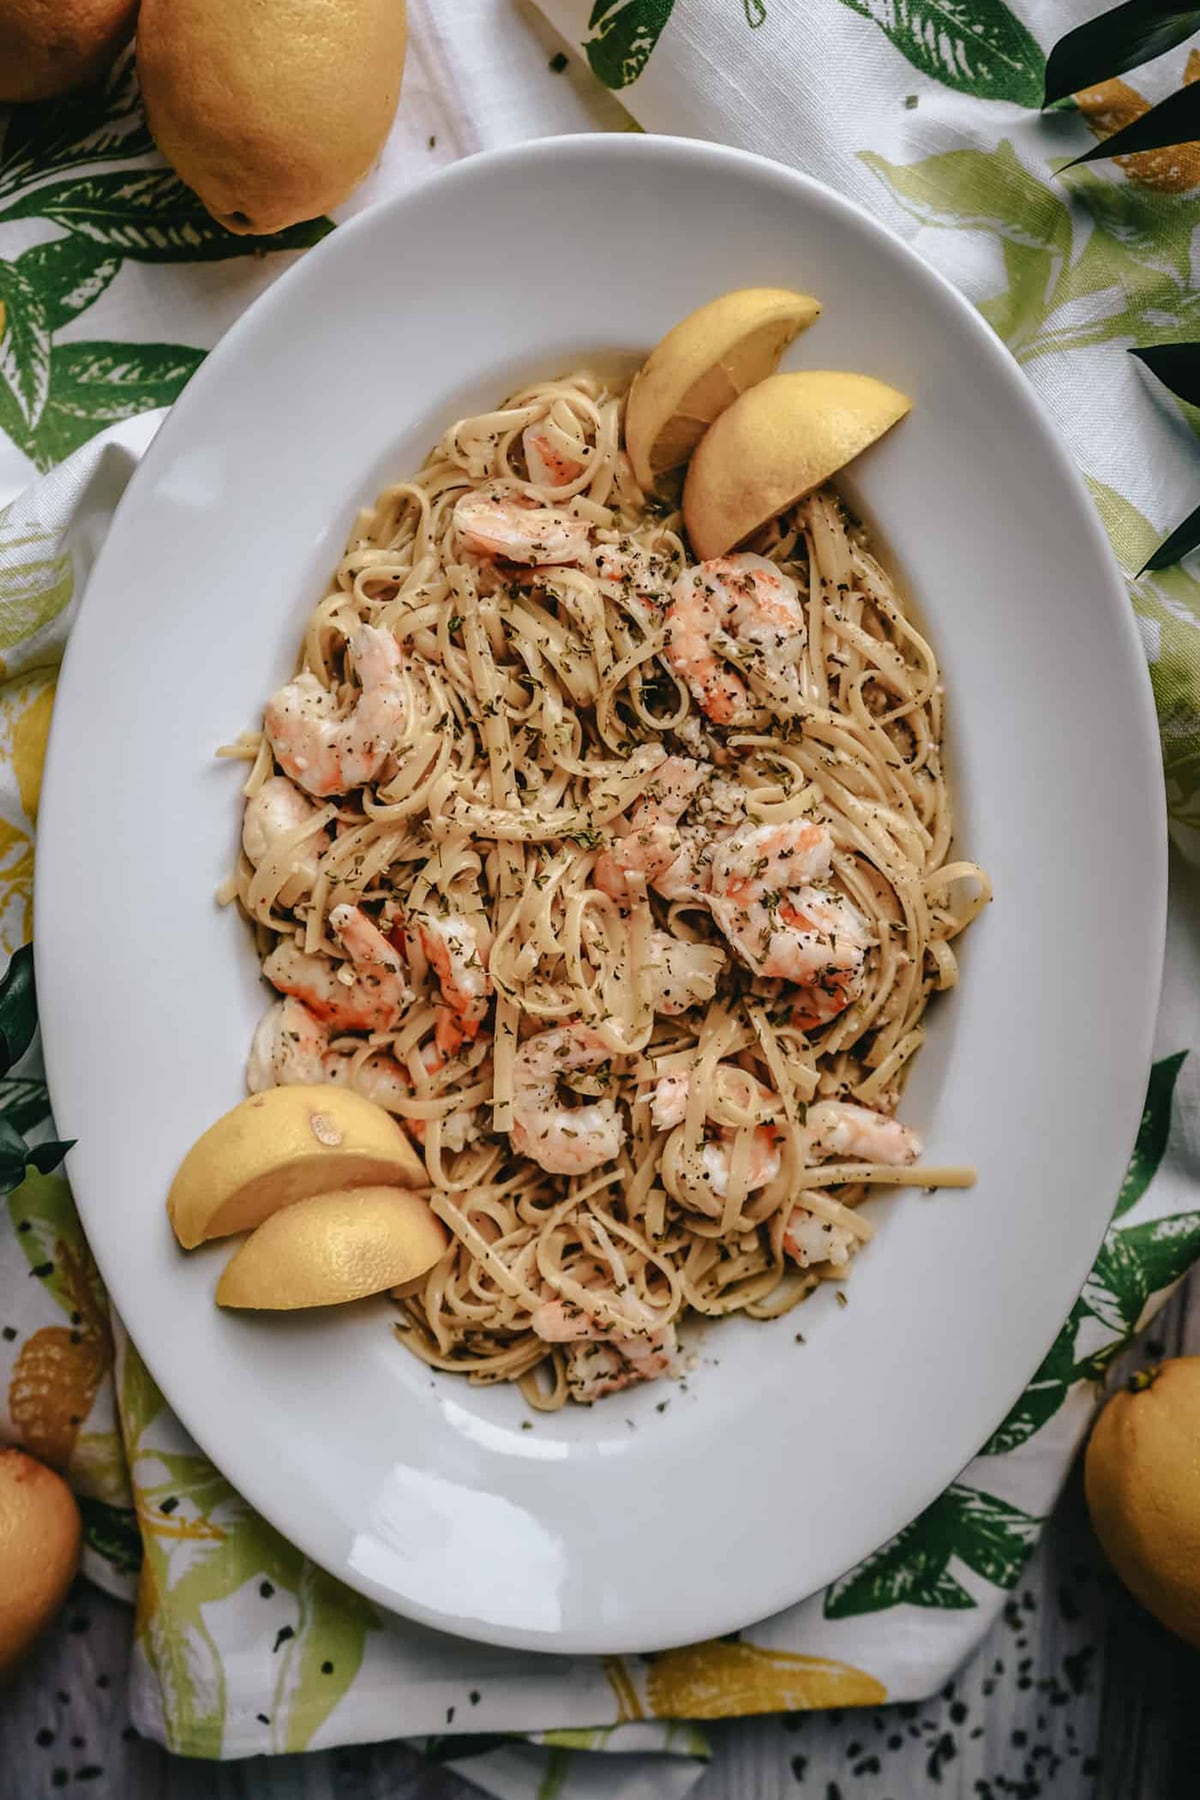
[
  {"x": 137, "y": 1397},
  {"x": 1115, "y": 1290},
  {"x": 1175, "y": 120},
  {"x": 327, "y": 1652},
  {"x": 103, "y": 123},
  {"x": 976, "y": 190},
  {"x": 149, "y": 215},
  {"x": 1116, "y": 41},
  {"x": 23, "y": 1102},
  {"x": 756, "y": 13},
  {"x": 94, "y": 384},
  {"x": 977, "y": 47},
  {"x": 111, "y": 1531},
  {"x": 1152, "y": 1132},
  {"x": 18, "y": 1008},
  {"x": 33, "y": 590},
  {"x": 45, "y": 1225},
  {"x": 24, "y": 343},
  {"x": 625, "y": 33},
  {"x": 1043, "y": 1397},
  {"x": 1164, "y": 1249},
  {"x": 910, "y": 1570},
  {"x": 67, "y": 276},
  {"x": 990, "y": 1536}
]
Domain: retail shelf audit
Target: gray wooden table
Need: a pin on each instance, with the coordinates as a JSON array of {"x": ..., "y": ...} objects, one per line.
[{"x": 1076, "y": 1694}]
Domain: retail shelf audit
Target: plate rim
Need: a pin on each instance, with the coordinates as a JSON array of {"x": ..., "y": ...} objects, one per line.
[{"x": 1140, "y": 728}]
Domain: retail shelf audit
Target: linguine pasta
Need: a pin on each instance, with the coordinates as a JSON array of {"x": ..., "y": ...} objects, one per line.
[{"x": 624, "y": 890}]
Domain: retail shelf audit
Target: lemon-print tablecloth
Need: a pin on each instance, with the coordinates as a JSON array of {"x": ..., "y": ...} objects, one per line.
[{"x": 113, "y": 284}]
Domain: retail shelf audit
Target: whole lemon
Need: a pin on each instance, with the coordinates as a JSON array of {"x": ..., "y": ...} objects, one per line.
[
  {"x": 49, "y": 46},
  {"x": 40, "y": 1533},
  {"x": 271, "y": 112},
  {"x": 1142, "y": 1482}
]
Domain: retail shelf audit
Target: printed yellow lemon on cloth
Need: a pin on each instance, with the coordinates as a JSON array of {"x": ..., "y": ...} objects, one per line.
[
  {"x": 39, "y": 1550},
  {"x": 332, "y": 1248},
  {"x": 775, "y": 444},
  {"x": 1142, "y": 1481},
  {"x": 719, "y": 1680},
  {"x": 278, "y": 1147},
  {"x": 701, "y": 367}
]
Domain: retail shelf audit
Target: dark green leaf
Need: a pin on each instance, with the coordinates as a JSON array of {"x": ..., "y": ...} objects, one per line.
[
  {"x": 1183, "y": 540},
  {"x": 18, "y": 1008},
  {"x": 46, "y": 1157},
  {"x": 756, "y": 13},
  {"x": 989, "y": 1535},
  {"x": 24, "y": 343},
  {"x": 1122, "y": 39},
  {"x": 912, "y": 1569},
  {"x": 112, "y": 1533},
  {"x": 12, "y": 1157},
  {"x": 24, "y": 1103},
  {"x": 1164, "y": 1249},
  {"x": 94, "y": 384},
  {"x": 626, "y": 32},
  {"x": 977, "y": 47},
  {"x": 1177, "y": 366},
  {"x": 1042, "y": 1398},
  {"x": 1175, "y": 120},
  {"x": 67, "y": 276},
  {"x": 1116, "y": 1291},
  {"x": 1154, "y": 1128},
  {"x": 149, "y": 215}
]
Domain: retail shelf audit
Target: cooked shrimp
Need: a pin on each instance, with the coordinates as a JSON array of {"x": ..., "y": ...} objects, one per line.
[
  {"x": 702, "y": 1187},
  {"x": 668, "y": 1103},
  {"x": 564, "y": 1140},
  {"x": 739, "y": 610},
  {"x": 453, "y": 948},
  {"x": 628, "y": 573},
  {"x": 291, "y": 1045},
  {"x": 273, "y": 814},
  {"x": 603, "y": 1359},
  {"x": 518, "y": 531},
  {"x": 365, "y": 994},
  {"x": 594, "y": 1370},
  {"x": 653, "y": 848},
  {"x": 548, "y": 465},
  {"x": 733, "y": 1088},
  {"x": 684, "y": 974},
  {"x": 809, "y": 1240},
  {"x": 781, "y": 925},
  {"x": 761, "y": 1169},
  {"x": 329, "y": 751},
  {"x": 836, "y": 1129}
]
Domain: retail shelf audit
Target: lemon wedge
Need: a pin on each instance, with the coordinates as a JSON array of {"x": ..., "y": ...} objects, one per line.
[
  {"x": 279, "y": 1146},
  {"x": 701, "y": 367},
  {"x": 332, "y": 1248},
  {"x": 776, "y": 443}
]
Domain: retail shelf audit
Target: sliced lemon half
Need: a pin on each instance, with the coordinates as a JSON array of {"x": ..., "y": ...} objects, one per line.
[
  {"x": 776, "y": 443},
  {"x": 332, "y": 1248},
  {"x": 701, "y": 367},
  {"x": 277, "y": 1147}
]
